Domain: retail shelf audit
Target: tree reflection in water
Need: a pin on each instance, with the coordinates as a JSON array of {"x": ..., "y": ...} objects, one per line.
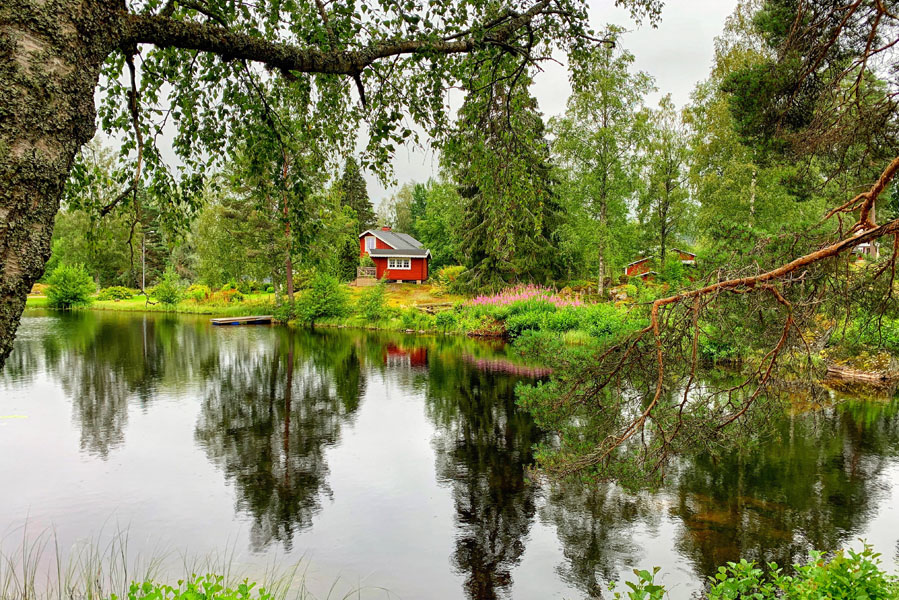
[
  {"x": 814, "y": 484},
  {"x": 483, "y": 447},
  {"x": 267, "y": 418},
  {"x": 274, "y": 400}
]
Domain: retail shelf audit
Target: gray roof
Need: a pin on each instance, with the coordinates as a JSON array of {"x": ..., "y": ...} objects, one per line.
[
  {"x": 410, "y": 252},
  {"x": 399, "y": 241}
]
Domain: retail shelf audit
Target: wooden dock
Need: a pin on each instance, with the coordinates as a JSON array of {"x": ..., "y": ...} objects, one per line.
[{"x": 253, "y": 320}]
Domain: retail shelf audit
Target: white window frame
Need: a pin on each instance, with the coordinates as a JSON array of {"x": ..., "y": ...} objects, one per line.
[
  {"x": 369, "y": 243},
  {"x": 392, "y": 264}
]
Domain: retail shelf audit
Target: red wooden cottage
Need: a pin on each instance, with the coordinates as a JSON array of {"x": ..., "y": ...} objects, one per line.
[
  {"x": 686, "y": 258},
  {"x": 397, "y": 256},
  {"x": 638, "y": 267}
]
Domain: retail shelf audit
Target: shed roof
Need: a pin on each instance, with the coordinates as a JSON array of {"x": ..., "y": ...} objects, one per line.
[
  {"x": 639, "y": 260},
  {"x": 684, "y": 251},
  {"x": 403, "y": 252},
  {"x": 395, "y": 239}
]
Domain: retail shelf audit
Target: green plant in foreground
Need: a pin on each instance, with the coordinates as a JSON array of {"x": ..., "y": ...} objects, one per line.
[
  {"x": 207, "y": 587},
  {"x": 70, "y": 286},
  {"x": 848, "y": 575}
]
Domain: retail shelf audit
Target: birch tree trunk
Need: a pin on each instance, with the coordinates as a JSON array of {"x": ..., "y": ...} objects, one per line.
[{"x": 51, "y": 52}]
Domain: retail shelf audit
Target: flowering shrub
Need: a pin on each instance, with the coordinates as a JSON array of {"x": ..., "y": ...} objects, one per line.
[{"x": 521, "y": 293}]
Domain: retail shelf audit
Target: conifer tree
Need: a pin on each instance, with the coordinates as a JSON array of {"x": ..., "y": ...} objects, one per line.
[{"x": 355, "y": 194}]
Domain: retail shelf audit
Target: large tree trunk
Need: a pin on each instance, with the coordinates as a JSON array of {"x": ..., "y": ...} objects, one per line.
[{"x": 51, "y": 52}]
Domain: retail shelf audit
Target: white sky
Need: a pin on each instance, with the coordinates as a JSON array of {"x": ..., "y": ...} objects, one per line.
[{"x": 678, "y": 54}]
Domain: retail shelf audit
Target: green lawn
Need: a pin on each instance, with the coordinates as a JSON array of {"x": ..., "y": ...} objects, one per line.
[{"x": 253, "y": 304}]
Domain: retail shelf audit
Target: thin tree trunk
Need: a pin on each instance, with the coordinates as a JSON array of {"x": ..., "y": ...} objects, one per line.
[
  {"x": 601, "y": 270},
  {"x": 50, "y": 57},
  {"x": 288, "y": 263}
]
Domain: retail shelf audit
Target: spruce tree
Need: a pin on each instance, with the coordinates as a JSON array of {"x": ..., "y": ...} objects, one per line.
[{"x": 355, "y": 194}]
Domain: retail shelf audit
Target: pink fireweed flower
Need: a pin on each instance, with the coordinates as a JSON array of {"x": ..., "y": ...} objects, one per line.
[{"x": 521, "y": 293}]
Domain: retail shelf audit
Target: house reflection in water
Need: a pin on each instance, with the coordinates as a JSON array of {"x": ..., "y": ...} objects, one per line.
[
  {"x": 397, "y": 356},
  {"x": 504, "y": 365}
]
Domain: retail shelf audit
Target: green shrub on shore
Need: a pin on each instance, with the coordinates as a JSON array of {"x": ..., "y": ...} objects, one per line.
[
  {"x": 325, "y": 298},
  {"x": 846, "y": 575},
  {"x": 198, "y": 292},
  {"x": 115, "y": 292},
  {"x": 169, "y": 290},
  {"x": 372, "y": 302},
  {"x": 70, "y": 286}
]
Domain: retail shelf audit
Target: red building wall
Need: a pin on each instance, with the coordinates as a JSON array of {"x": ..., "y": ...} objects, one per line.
[
  {"x": 378, "y": 244},
  {"x": 638, "y": 268},
  {"x": 418, "y": 272}
]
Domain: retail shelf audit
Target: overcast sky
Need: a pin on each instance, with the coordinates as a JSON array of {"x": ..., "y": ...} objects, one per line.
[{"x": 678, "y": 54}]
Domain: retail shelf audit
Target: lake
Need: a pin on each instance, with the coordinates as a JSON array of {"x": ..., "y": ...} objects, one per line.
[{"x": 391, "y": 462}]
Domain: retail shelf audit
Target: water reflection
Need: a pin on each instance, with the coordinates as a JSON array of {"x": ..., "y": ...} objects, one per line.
[
  {"x": 268, "y": 416},
  {"x": 484, "y": 444},
  {"x": 266, "y": 406},
  {"x": 814, "y": 483}
]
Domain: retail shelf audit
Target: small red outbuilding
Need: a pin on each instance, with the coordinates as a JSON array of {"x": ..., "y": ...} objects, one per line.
[{"x": 397, "y": 256}]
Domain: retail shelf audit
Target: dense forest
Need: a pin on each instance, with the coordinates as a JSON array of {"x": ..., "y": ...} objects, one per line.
[{"x": 522, "y": 197}]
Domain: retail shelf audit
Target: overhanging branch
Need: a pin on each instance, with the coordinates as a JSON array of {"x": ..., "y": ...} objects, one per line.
[{"x": 163, "y": 31}]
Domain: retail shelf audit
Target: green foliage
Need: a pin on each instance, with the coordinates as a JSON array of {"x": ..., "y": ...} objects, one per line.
[
  {"x": 371, "y": 302},
  {"x": 206, "y": 587},
  {"x": 170, "y": 290},
  {"x": 70, "y": 286},
  {"x": 673, "y": 270},
  {"x": 499, "y": 157},
  {"x": 449, "y": 276},
  {"x": 438, "y": 226},
  {"x": 198, "y": 292},
  {"x": 366, "y": 261},
  {"x": 115, "y": 292},
  {"x": 446, "y": 319},
  {"x": 645, "y": 588},
  {"x": 324, "y": 298},
  {"x": 846, "y": 575},
  {"x": 285, "y": 312},
  {"x": 598, "y": 143},
  {"x": 348, "y": 259},
  {"x": 355, "y": 195}
]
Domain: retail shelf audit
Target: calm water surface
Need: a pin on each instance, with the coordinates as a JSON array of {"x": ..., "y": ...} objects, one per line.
[{"x": 391, "y": 461}]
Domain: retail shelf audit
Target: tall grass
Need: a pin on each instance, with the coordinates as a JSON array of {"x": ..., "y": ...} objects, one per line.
[{"x": 37, "y": 567}]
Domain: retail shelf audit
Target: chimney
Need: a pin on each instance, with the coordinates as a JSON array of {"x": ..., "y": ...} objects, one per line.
[{"x": 385, "y": 228}]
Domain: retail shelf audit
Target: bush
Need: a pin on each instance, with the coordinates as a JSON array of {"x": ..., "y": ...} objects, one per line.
[
  {"x": 116, "y": 292},
  {"x": 70, "y": 286},
  {"x": 231, "y": 285},
  {"x": 285, "y": 312},
  {"x": 448, "y": 277},
  {"x": 563, "y": 320},
  {"x": 245, "y": 287},
  {"x": 207, "y": 587},
  {"x": 445, "y": 319},
  {"x": 269, "y": 289},
  {"x": 366, "y": 261},
  {"x": 673, "y": 271},
  {"x": 169, "y": 290},
  {"x": 848, "y": 575},
  {"x": 324, "y": 298},
  {"x": 371, "y": 302},
  {"x": 520, "y": 322},
  {"x": 198, "y": 292}
]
